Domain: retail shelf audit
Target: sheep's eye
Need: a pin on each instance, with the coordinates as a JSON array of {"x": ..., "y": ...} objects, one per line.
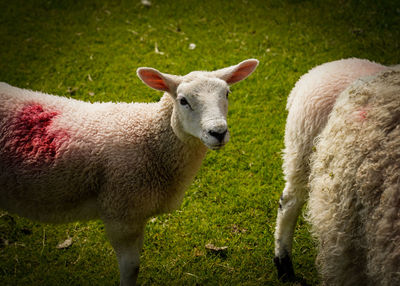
[
  {"x": 183, "y": 101},
  {"x": 227, "y": 94}
]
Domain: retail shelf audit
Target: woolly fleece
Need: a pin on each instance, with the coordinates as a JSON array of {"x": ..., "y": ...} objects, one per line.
[{"x": 354, "y": 204}]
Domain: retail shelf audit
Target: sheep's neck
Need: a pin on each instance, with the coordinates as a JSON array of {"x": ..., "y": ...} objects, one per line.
[
  {"x": 190, "y": 150},
  {"x": 180, "y": 156}
]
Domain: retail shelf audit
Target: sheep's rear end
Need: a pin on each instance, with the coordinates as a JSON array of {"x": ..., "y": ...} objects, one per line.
[{"x": 354, "y": 204}]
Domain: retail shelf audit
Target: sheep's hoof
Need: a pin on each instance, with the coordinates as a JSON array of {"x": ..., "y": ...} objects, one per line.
[{"x": 285, "y": 268}]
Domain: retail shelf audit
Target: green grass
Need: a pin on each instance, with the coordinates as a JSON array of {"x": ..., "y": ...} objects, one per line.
[{"x": 90, "y": 50}]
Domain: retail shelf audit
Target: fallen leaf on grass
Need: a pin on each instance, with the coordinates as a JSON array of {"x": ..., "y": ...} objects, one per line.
[
  {"x": 156, "y": 50},
  {"x": 220, "y": 251},
  {"x": 190, "y": 274},
  {"x": 65, "y": 244},
  {"x": 146, "y": 3},
  {"x": 214, "y": 248}
]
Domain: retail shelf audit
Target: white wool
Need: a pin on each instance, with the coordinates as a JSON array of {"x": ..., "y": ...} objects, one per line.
[{"x": 355, "y": 185}]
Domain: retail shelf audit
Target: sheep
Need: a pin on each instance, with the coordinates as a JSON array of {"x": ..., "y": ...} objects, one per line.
[
  {"x": 63, "y": 160},
  {"x": 309, "y": 104},
  {"x": 354, "y": 199}
]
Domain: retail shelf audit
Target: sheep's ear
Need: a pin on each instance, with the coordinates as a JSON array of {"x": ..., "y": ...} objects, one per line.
[
  {"x": 238, "y": 72},
  {"x": 159, "y": 80}
]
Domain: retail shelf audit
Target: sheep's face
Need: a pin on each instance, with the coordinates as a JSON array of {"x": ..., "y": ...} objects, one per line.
[
  {"x": 201, "y": 100},
  {"x": 201, "y": 106}
]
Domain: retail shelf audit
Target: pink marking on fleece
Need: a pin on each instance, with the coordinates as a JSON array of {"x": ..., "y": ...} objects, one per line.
[
  {"x": 363, "y": 114},
  {"x": 30, "y": 137},
  {"x": 360, "y": 114}
]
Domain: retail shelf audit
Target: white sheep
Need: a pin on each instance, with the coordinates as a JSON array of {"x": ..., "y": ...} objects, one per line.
[
  {"x": 63, "y": 160},
  {"x": 354, "y": 203},
  {"x": 309, "y": 104}
]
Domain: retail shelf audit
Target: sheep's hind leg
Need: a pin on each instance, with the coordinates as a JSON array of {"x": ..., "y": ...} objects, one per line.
[
  {"x": 290, "y": 205},
  {"x": 127, "y": 242}
]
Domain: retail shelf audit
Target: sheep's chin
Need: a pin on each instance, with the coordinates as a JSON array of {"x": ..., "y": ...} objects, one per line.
[{"x": 217, "y": 147}]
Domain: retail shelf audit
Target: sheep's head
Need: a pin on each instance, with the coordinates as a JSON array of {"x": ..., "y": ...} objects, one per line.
[{"x": 201, "y": 99}]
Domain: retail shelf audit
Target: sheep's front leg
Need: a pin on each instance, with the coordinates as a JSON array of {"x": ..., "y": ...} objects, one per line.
[
  {"x": 290, "y": 205},
  {"x": 127, "y": 242}
]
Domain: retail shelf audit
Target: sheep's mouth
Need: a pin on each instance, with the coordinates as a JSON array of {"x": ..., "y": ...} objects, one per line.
[{"x": 216, "y": 146}]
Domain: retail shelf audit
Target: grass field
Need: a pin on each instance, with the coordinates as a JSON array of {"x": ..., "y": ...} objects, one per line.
[{"x": 90, "y": 50}]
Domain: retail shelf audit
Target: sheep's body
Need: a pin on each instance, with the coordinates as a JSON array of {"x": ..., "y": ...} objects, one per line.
[
  {"x": 309, "y": 104},
  {"x": 101, "y": 151},
  {"x": 354, "y": 204},
  {"x": 64, "y": 160}
]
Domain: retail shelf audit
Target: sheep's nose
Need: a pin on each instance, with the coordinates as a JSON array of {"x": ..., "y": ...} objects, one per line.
[{"x": 219, "y": 135}]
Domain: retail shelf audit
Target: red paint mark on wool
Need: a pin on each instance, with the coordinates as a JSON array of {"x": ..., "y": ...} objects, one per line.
[
  {"x": 363, "y": 114},
  {"x": 31, "y": 139}
]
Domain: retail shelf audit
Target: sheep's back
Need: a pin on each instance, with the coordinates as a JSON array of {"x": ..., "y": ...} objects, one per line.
[{"x": 309, "y": 104}]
